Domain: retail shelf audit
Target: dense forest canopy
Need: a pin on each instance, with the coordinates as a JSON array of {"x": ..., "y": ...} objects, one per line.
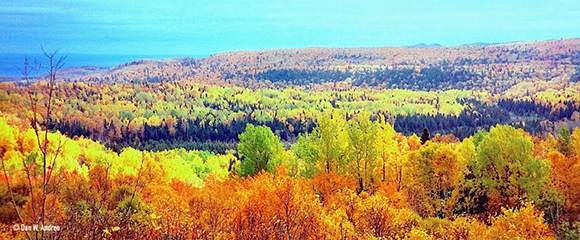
[
  {"x": 347, "y": 179},
  {"x": 492, "y": 68},
  {"x": 473, "y": 142},
  {"x": 198, "y": 116}
]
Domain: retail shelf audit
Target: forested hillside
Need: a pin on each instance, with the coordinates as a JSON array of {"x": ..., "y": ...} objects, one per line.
[
  {"x": 493, "y": 68},
  {"x": 472, "y": 142},
  {"x": 449, "y": 90},
  {"x": 197, "y": 116}
]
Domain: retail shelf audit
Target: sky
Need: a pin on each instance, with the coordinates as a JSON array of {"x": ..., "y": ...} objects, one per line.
[{"x": 200, "y": 27}]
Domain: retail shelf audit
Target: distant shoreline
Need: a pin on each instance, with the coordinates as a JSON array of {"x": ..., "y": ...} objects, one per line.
[{"x": 10, "y": 62}]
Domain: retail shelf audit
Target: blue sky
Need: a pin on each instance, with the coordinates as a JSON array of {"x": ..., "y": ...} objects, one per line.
[{"x": 185, "y": 28}]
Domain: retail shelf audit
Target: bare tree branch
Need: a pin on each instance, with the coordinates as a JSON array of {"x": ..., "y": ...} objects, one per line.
[{"x": 2, "y": 152}]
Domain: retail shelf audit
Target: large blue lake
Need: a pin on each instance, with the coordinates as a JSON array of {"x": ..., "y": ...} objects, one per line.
[{"x": 10, "y": 61}]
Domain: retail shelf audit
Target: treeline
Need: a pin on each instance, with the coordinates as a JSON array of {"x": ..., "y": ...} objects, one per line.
[
  {"x": 186, "y": 133},
  {"x": 195, "y": 135},
  {"x": 137, "y": 113},
  {"x": 158, "y": 115},
  {"x": 493, "y": 68},
  {"x": 527, "y": 108},
  {"x": 436, "y": 77},
  {"x": 527, "y": 114},
  {"x": 300, "y": 76}
]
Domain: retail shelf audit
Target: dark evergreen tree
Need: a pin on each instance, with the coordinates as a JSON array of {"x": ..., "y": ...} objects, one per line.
[{"x": 425, "y": 136}]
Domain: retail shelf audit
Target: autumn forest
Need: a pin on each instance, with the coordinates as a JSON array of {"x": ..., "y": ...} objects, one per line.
[{"x": 468, "y": 142}]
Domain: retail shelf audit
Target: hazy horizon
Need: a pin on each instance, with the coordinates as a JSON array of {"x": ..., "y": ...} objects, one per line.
[
  {"x": 204, "y": 55},
  {"x": 9, "y": 62},
  {"x": 207, "y": 27}
]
